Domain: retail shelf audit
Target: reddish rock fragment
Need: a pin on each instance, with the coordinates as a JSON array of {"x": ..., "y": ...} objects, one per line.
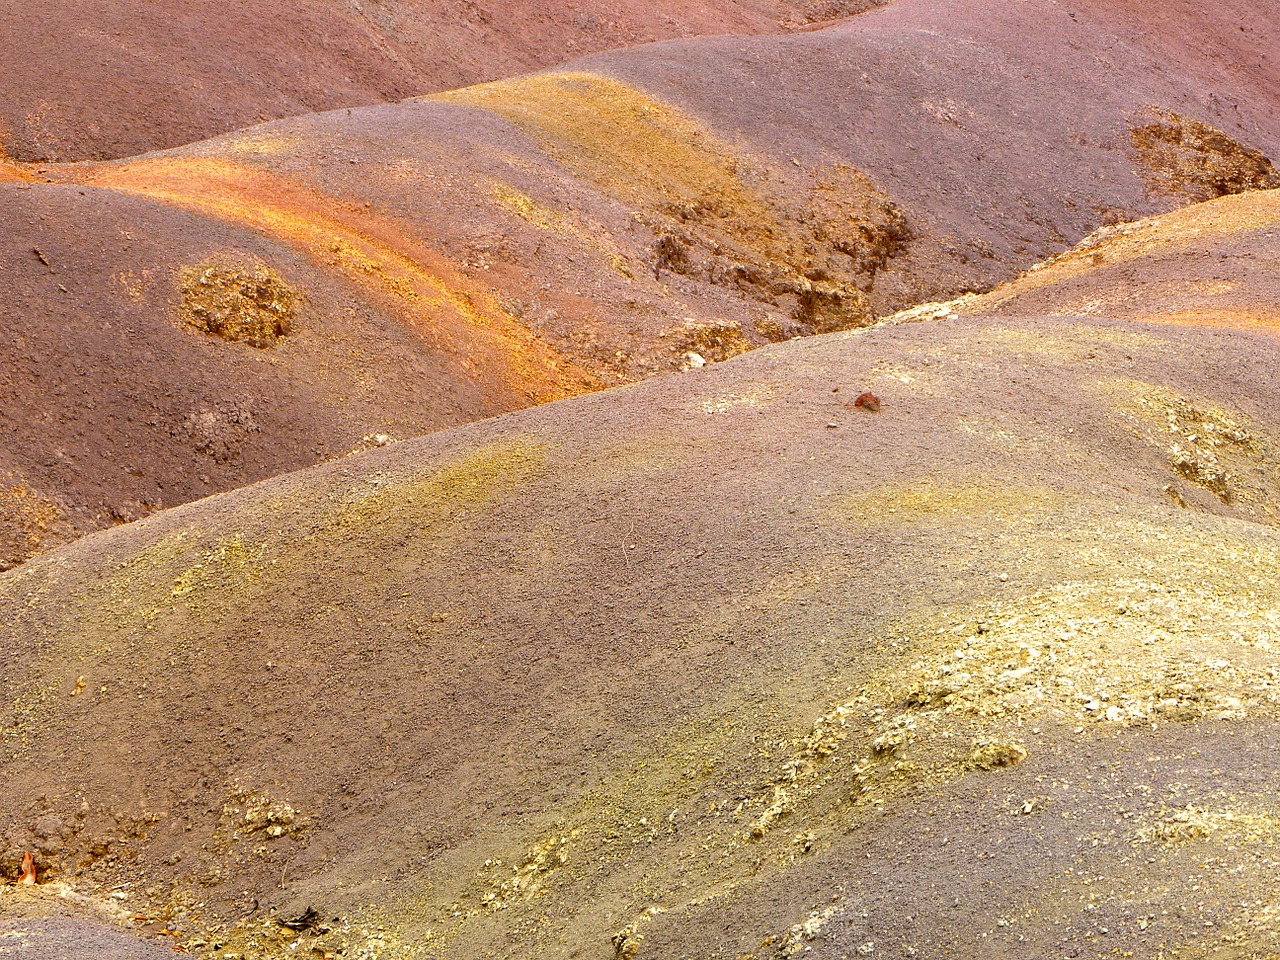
[{"x": 868, "y": 401}]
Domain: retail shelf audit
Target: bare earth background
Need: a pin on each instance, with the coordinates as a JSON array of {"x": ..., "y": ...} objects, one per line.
[{"x": 338, "y": 591}]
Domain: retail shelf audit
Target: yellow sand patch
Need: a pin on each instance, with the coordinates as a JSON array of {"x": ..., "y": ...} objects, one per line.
[
  {"x": 1189, "y": 632},
  {"x": 1183, "y": 229},
  {"x": 1068, "y": 341},
  {"x": 185, "y": 585},
  {"x": 629, "y": 143},
  {"x": 1220, "y": 450},
  {"x": 653, "y": 157},
  {"x": 1260, "y": 320},
  {"x": 227, "y": 564},
  {"x": 139, "y": 591},
  {"x": 753, "y": 399},
  {"x": 932, "y": 501},
  {"x": 1198, "y": 823},
  {"x": 263, "y": 144},
  {"x": 529, "y": 210},
  {"x": 383, "y": 506},
  {"x": 1119, "y": 298},
  {"x": 1201, "y": 287},
  {"x": 640, "y": 151}
]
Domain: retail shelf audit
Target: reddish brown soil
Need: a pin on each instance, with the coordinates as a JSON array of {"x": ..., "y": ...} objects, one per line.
[
  {"x": 549, "y": 682},
  {"x": 728, "y": 663},
  {"x": 90, "y": 79},
  {"x": 115, "y": 406},
  {"x": 1228, "y": 49},
  {"x": 465, "y": 256}
]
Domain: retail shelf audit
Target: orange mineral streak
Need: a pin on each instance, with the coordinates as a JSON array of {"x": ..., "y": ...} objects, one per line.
[
  {"x": 456, "y": 316},
  {"x": 11, "y": 172},
  {"x": 1252, "y": 321}
]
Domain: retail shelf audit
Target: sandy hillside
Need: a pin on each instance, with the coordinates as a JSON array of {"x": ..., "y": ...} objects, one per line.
[
  {"x": 190, "y": 321},
  {"x": 91, "y": 79},
  {"x": 720, "y": 664}
]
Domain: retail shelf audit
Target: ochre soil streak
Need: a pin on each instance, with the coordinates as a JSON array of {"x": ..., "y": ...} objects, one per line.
[
  {"x": 11, "y": 172},
  {"x": 452, "y": 313},
  {"x": 1258, "y": 320}
]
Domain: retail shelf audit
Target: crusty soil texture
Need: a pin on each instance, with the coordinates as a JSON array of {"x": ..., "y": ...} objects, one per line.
[
  {"x": 446, "y": 259},
  {"x": 29, "y": 523},
  {"x": 722, "y": 664},
  {"x": 94, "y": 79},
  {"x": 253, "y": 305},
  {"x": 954, "y": 635},
  {"x": 1187, "y": 158}
]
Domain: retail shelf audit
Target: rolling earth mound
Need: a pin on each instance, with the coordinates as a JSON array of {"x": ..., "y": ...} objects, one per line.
[
  {"x": 154, "y": 357},
  {"x": 288, "y": 291},
  {"x": 94, "y": 79},
  {"x": 741, "y": 662},
  {"x": 1210, "y": 264}
]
